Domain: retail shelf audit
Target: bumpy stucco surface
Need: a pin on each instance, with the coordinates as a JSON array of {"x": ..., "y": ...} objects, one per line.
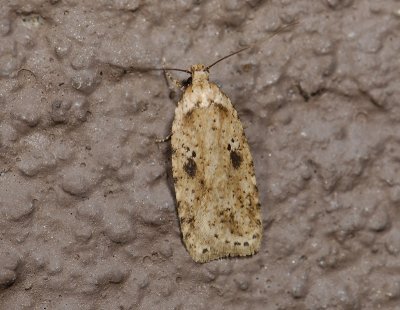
[{"x": 87, "y": 210}]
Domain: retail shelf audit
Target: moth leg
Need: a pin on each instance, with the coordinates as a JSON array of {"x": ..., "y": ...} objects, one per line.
[
  {"x": 170, "y": 78},
  {"x": 173, "y": 84},
  {"x": 164, "y": 139}
]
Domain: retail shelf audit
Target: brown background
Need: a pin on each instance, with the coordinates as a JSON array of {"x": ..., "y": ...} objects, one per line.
[{"x": 87, "y": 214}]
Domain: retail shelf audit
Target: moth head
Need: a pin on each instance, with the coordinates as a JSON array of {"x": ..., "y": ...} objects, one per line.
[
  {"x": 199, "y": 72},
  {"x": 198, "y": 67}
]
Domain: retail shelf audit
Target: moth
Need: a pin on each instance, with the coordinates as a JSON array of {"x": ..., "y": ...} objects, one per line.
[
  {"x": 213, "y": 172},
  {"x": 215, "y": 185}
]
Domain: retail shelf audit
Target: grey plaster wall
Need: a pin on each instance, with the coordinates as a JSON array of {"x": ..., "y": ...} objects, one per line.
[{"x": 87, "y": 212}]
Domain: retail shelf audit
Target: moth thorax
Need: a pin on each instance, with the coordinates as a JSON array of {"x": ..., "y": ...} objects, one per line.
[{"x": 199, "y": 73}]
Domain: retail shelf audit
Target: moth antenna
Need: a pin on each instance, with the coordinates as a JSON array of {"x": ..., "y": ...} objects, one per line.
[
  {"x": 280, "y": 30},
  {"x": 145, "y": 69},
  {"x": 169, "y": 69},
  {"x": 227, "y": 56}
]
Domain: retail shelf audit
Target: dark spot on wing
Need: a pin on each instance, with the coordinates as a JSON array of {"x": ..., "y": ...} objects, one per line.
[
  {"x": 245, "y": 243},
  {"x": 236, "y": 159},
  {"x": 188, "y": 115},
  {"x": 205, "y": 250},
  {"x": 222, "y": 108},
  {"x": 190, "y": 167}
]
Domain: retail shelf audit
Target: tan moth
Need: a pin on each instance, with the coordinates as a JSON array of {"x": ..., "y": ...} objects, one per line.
[{"x": 215, "y": 185}]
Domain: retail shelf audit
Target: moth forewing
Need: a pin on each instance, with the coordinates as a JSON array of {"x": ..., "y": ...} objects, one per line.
[{"x": 215, "y": 185}]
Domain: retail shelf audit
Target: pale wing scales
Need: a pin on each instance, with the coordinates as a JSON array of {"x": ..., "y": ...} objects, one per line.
[{"x": 218, "y": 204}]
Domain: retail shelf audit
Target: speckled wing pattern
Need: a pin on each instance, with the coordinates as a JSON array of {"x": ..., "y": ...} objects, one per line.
[{"x": 215, "y": 185}]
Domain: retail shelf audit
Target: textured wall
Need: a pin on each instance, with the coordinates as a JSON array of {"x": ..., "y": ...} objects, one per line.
[{"x": 87, "y": 210}]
